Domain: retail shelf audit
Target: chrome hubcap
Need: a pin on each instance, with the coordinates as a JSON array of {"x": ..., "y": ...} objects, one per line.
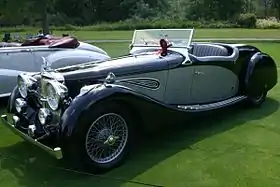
[
  {"x": 111, "y": 140},
  {"x": 106, "y": 138}
]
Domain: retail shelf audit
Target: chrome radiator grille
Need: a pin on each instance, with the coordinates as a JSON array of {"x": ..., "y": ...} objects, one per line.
[{"x": 43, "y": 94}]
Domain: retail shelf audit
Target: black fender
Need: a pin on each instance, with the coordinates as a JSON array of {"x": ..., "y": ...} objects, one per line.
[
  {"x": 151, "y": 109},
  {"x": 261, "y": 74},
  {"x": 14, "y": 95},
  {"x": 82, "y": 103}
]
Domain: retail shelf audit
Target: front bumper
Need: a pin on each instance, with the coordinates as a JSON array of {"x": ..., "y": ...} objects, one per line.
[{"x": 56, "y": 152}]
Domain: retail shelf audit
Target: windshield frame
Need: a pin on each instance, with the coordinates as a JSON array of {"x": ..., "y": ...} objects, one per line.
[{"x": 188, "y": 38}]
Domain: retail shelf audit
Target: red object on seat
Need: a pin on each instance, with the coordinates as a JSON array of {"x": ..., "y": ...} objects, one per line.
[
  {"x": 54, "y": 42},
  {"x": 164, "y": 46},
  {"x": 66, "y": 42},
  {"x": 32, "y": 42}
]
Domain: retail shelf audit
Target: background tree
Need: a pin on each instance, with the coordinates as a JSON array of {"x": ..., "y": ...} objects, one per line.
[
  {"x": 88, "y": 12},
  {"x": 276, "y": 4},
  {"x": 214, "y": 9}
]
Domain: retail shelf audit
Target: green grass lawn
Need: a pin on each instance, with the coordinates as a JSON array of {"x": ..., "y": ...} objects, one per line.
[
  {"x": 232, "y": 147},
  {"x": 199, "y": 33}
]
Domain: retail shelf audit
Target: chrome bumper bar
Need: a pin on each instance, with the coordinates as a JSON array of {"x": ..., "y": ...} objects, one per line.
[{"x": 56, "y": 152}]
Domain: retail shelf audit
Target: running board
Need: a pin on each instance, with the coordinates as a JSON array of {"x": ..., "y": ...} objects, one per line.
[{"x": 212, "y": 106}]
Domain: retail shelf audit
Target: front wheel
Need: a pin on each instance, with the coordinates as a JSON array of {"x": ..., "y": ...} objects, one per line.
[{"x": 102, "y": 138}]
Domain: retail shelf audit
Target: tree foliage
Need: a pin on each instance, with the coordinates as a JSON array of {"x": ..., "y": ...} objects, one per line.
[
  {"x": 88, "y": 12},
  {"x": 214, "y": 9}
]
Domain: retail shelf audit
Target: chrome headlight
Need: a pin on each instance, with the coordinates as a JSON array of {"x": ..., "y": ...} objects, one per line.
[
  {"x": 25, "y": 82},
  {"x": 55, "y": 93},
  {"x": 20, "y": 105},
  {"x": 44, "y": 115}
]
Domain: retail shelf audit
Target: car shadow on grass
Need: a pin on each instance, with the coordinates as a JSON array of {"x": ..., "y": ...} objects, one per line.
[{"x": 33, "y": 168}]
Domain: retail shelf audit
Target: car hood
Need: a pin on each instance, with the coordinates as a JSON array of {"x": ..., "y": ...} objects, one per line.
[
  {"x": 121, "y": 66},
  {"x": 91, "y": 73}
]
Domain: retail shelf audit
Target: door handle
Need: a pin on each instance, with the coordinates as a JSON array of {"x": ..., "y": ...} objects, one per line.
[{"x": 198, "y": 73}]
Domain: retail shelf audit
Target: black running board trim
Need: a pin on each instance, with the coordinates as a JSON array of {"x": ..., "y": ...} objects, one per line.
[{"x": 211, "y": 106}]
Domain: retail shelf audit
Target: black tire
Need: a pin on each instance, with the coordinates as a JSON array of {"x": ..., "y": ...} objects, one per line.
[
  {"x": 256, "y": 101},
  {"x": 11, "y": 100},
  {"x": 77, "y": 153},
  {"x": 4, "y": 101}
]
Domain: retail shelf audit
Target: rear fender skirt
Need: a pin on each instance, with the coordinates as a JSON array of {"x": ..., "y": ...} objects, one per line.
[
  {"x": 251, "y": 65},
  {"x": 146, "y": 106},
  {"x": 261, "y": 73}
]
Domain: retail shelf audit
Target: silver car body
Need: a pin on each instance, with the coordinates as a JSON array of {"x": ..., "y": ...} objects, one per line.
[
  {"x": 196, "y": 79},
  {"x": 14, "y": 60}
]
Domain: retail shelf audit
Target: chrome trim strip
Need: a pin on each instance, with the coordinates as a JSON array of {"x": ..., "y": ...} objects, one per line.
[
  {"x": 5, "y": 95},
  {"x": 56, "y": 152},
  {"x": 211, "y": 106},
  {"x": 144, "y": 82}
]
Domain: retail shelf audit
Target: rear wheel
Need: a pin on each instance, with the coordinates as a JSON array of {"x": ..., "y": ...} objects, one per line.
[
  {"x": 257, "y": 100},
  {"x": 256, "y": 87}
]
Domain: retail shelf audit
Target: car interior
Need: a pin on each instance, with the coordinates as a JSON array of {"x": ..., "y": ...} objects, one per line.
[
  {"x": 211, "y": 51},
  {"x": 203, "y": 49}
]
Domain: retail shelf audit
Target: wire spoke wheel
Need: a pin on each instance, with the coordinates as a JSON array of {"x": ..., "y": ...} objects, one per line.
[{"x": 106, "y": 138}]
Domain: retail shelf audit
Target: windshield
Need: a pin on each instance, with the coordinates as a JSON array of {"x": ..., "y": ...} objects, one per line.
[{"x": 151, "y": 37}]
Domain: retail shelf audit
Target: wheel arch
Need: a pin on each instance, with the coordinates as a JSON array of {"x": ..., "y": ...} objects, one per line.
[
  {"x": 132, "y": 109},
  {"x": 117, "y": 94},
  {"x": 123, "y": 100},
  {"x": 260, "y": 74}
]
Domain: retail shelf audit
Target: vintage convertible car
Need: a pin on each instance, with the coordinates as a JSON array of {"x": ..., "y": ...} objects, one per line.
[
  {"x": 89, "y": 113},
  {"x": 26, "y": 57}
]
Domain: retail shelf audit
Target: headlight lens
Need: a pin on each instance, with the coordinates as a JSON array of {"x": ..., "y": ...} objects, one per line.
[
  {"x": 25, "y": 82},
  {"x": 52, "y": 97},
  {"x": 20, "y": 105},
  {"x": 22, "y": 87},
  {"x": 56, "y": 92},
  {"x": 44, "y": 115}
]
